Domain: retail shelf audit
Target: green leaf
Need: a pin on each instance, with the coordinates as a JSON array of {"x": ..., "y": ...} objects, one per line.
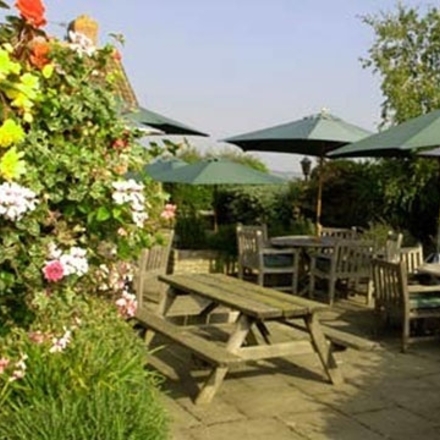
[{"x": 103, "y": 214}]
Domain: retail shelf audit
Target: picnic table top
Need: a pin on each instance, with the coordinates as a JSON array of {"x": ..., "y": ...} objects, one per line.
[
  {"x": 430, "y": 269},
  {"x": 253, "y": 300}
]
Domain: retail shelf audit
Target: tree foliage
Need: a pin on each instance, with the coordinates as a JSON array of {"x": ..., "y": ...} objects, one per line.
[{"x": 406, "y": 54}]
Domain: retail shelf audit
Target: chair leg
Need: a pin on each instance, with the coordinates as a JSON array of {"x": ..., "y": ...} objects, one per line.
[
  {"x": 370, "y": 291},
  {"x": 405, "y": 334},
  {"x": 312, "y": 286},
  {"x": 295, "y": 283},
  {"x": 240, "y": 272},
  {"x": 331, "y": 290}
]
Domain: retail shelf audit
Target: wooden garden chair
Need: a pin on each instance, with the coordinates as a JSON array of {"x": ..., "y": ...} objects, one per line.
[
  {"x": 255, "y": 256},
  {"x": 343, "y": 233},
  {"x": 396, "y": 300},
  {"x": 152, "y": 263},
  {"x": 413, "y": 258},
  {"x": 350, "y": 261}
]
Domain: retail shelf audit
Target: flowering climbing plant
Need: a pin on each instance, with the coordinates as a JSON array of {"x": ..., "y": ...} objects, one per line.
[
  {"x": 70, "y": 222},
  {"x": 71, "y": 227}
]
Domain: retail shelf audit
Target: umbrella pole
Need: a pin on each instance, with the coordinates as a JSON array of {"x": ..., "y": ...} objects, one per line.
[
  {"x": 214, "y": 198},
  {"x": 437, "y": 246},
  {"x": 319, "y": 198}
]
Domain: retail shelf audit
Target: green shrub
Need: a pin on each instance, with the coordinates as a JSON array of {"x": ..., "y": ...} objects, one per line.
[
  {"x": 190, "y": 230},
  {"x": 96, "y": 387}
]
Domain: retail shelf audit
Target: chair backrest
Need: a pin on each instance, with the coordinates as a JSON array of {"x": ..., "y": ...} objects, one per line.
[
  {"x": 250, "y": 242},
  {"x": 262, "y": 228},
  {"x": 393, "y": 246},
  {"x": 343, "y": 233},
  {"x": 353, "y": 257},
  {"x": 390, "y": 283},
  {"x": 412, "y": 257},
  {"x": 152, "y": 263}
]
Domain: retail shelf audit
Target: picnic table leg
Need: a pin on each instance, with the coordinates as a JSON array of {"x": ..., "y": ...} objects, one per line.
[
  {"x": 215, "y": 379},
  {"x": 162, "y": 309},
  {"x": 323, "y": 349}
]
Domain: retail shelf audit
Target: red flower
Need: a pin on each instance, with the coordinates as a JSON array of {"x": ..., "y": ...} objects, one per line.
[
  {"x": 32, "y": 11},
  {"x": 117, "y": 55},
  {"x": 119, "y": 144},
  {"x": 40, "y": 50},
  {"x": 53, "y": 271}
]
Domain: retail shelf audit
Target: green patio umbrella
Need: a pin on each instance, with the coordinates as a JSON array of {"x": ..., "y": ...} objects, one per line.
[
  {"x": 415, "y": 134},
  {"x": 216, "y": 172},
  {"x": 314, "y": 135},
  {"x": 161, "y": 166},
  {"x": 420, "y": 136},
  {"x": 163, "y": 123}
]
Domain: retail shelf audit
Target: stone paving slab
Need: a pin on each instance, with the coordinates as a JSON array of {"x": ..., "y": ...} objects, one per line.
[{"x": 385, "y": 395}]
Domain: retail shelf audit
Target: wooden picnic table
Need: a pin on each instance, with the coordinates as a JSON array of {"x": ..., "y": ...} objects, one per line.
[
  {"x": 432, "y": 269},
  {"x": 256, "y": 306}
]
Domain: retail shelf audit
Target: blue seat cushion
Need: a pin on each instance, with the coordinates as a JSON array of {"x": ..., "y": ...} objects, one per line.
[
  {"x": 274, "y": 261},
  {"x": 323, "y": 264},
  {"x": 424, "y": 301}
]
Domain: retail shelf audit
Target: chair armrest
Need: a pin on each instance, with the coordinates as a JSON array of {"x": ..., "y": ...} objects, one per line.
[
  {"x": 321, "y": 256},
  {"x": 283, "y": 251},
  {"x": 420, "y": 288}
]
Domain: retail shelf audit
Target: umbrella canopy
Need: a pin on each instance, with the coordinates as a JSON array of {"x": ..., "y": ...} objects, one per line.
[
  {"x": 163, "y": 123},
  {"x": 314, "y": 135},
  {"x": 218, "y": 172},
  {"x": 161, "y": 166},
  {"x": 420, "y": 135},
  {"x": 403, "y": 139}
]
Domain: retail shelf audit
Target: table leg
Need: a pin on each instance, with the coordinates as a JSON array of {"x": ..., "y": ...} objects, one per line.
[
  {"x": 215, "y": 379},
  {"x": 323, "y": 349}
]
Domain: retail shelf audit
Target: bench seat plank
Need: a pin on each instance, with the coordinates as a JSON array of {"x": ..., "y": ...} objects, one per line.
[{"x": 202, "y": 348}]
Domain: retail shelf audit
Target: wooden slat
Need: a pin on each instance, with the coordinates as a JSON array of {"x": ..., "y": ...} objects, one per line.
[
  {"x": 339, "y": 337},
  {"x": 291, "y": 305},
  {"x": 202, "y": 348},
  {"x": 191, "y": 284},
  {"x": 288, "y": 306},
  {"x": 260, "y": 352}
]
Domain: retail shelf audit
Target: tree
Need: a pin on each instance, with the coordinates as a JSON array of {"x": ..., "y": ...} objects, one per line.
[{"x": 406, "y": 54}]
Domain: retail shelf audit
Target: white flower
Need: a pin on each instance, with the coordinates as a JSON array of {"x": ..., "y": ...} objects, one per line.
[
  {"x": 16, "y": 200},
  {"x": 81, "y": 44},
  {"x": 59, "y": 345},
  {"x": 131, "y": 192}
]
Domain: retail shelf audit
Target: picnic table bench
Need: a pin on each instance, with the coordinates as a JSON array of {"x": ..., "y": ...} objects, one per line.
[{"x": 255, "y": 306}]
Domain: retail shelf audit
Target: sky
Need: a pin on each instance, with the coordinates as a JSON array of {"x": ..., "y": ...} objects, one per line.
[{"x": 227, "y": 67}]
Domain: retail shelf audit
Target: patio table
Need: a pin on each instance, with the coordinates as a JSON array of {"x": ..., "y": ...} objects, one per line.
[
  {"x": 305, "y": 242},
  {"x": 308, "y": 244},
  {"x": 255, "y": 306}
]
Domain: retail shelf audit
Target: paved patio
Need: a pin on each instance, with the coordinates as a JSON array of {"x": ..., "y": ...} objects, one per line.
[{"x": 386, "y": 394}]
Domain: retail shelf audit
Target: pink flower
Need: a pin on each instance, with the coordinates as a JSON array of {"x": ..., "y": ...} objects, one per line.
[
  {"x": 169, "y": 211},
  {"x": 127, "y": 305},
  {"x": 53, "y": 271},
  {"x": 38, "y": 337},
  {"x": 4, "y": 362}
]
